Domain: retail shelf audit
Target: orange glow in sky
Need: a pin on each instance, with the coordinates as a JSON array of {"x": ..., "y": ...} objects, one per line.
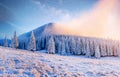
[{"x": 102, "y": 21}]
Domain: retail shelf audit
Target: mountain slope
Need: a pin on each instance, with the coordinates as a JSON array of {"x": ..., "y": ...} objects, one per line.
[{"x": 42, "y": 30}]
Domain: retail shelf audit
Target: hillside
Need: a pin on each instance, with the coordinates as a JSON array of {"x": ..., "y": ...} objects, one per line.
[
  {"x": 42, "y": 30},
  {"x": 21, "y": 63}
]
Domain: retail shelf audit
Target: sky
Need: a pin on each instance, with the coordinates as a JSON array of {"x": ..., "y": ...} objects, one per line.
[
  {"x": 101, "y": 21},
  {"x": 93, "y": 18},
  {"x": 26, "y": 15}
]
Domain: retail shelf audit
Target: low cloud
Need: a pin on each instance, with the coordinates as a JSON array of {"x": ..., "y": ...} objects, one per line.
[{"x": 102, "y": 21}]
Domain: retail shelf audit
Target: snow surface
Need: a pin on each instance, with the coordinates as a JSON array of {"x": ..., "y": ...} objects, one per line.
[{"x": 22, "y": 63}]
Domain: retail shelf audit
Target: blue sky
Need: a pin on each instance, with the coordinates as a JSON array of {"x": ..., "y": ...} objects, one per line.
[{"x": 26, "y": 15}]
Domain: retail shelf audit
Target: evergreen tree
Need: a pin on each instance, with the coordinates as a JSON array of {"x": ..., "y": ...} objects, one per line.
[
  {"x": 83, "y": 46},
  {"x": 73, "y": 45},
  {"x": 32, "y": 43},
  {"x": 118, "y": 50},
  {"x": 51, "y": 46},
  {"x": 103, "y": 49},
  {"x": 59, "y": 47},
  {"x": 78, "y": 46},
  {"x": 12, "y": 43},
  {"x": 5, "y": 42},
  {"x": 97, "y": 51},
  {"x": 63, "y": 52},
  {"x": 92, "y": 51},
  {"x": 88, "y": 49},
  {"x": 109, "y": 48},
  {"x": 15, "y": 41},
  {"x": 115, "y": 49},
  {"x": 67, "y": 48}
]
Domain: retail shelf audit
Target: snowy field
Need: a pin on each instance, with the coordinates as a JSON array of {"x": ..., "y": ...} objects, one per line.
[{"x": 21, "y": 63}]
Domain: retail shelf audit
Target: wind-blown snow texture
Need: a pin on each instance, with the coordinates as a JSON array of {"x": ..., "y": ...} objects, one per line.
[{"x": 21, "y": 63}]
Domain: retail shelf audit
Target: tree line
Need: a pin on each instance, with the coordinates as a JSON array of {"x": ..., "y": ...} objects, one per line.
[{"x": 67, "y": 45}]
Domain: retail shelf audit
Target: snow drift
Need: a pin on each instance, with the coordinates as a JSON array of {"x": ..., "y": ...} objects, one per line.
[{"x": 21, "y": 63}]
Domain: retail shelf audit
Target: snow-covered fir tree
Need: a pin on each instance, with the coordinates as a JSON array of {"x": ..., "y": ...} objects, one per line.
[
  {"x": 63, "y": 45},
  {"x": 5, "y": 42},
  {"x": 103, "y": 49},
  {"x": 32, "y": 43},
  {"x": 11, "y": 45},
  {"x": 15, "y": 42},
  {"x": 63, "y": 51},
  {"x": 92, "y": 51},
  {"x": 59, "y": 47},
  {"x": 88, "y": 49},
  {"x": 115, "y": 49},
  {"x": 109, "y": 48},
  {"x": 83, "y": 46},
  {"x": 73, "y": 46},
  {"x": 78, "y": 46},
  {"x": 118, "y": 50},
  {"x": 97, "y": 51},
  {"x": 67, "y": 49},
  {"x": 51, "y": 46}
]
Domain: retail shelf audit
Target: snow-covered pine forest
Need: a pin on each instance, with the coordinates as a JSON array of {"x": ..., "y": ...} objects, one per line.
[
  {"x": 66, "y": 45},
  {"x": 74, "y": 45}
]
